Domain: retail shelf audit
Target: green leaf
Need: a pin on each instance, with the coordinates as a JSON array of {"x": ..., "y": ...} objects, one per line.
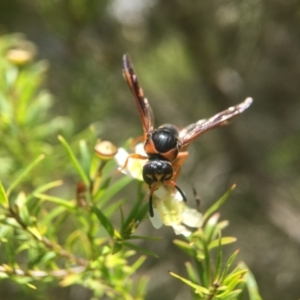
[
  {"x": 117, "y": 247},
  {"x": 191, "y": 272},
  {"x": 66, "y": 203},
  {"x": 85, "y": 156},
  {"x": 222, "y": 225},
  {"x": 3, "y": 198},
  {"x": 251, "y": 284},
  {"x": 51, "y": 215},
  {"x": 137, "y": 213},
  {"x": 94, "y": 167},
  {"x": 208, "y": 266},
  {"x": 139, "y": 249},
  {"x": 5, "y": 231},
  {"x": 109, "y": 168},
  {"x": 141, "y": 287},
  {"x": 186, "y": 247},
  {"x": 236, "y": 274},
  {"x": 24, "y": 174},
  {"x": 199, "y": 289},
  {"x": 47, "y": 186},
  {"x": 136, "y": 265},
  {"x": 31, "y": 286},
  {"x": 109, "y": 210},
  {"x": 228, "y": 265},
  {"x": 230, "y": 296},
  {"x": 109, "y": 192},
  {"x": 103, "y": 220},
  {"x": 99, "y": 192},
  {"x": 75, "y": 162},
  {"x": 144, "y": 237},
  {"x": 210, "y": 229},
  {"x": 224, "y": 241},
  {"x": 219, "y": 259},
  {"x": 34, "y": 231},
  {"x": 22, "y": 208},
  {"x": 217, "y": 205},
  {"x": 42, "y": 259}
]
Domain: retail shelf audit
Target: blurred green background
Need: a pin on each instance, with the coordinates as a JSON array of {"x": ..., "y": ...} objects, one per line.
[{"x": 193, "y": 59}]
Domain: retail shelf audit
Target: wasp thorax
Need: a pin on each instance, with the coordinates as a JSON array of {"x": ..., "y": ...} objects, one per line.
[
  {"x": 164, "y": 140},
  {"x": 157, "y": 171}
]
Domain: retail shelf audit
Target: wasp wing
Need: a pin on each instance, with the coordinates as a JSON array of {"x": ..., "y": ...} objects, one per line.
[
  {"x": 140, "y": 100},
  {"x": 191, "y": 132}
]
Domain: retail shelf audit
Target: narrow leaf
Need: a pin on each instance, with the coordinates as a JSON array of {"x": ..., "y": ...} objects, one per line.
[
  {"x": 186, "y": 247},
  {"x": 230, "y": 296},
  {"x": 228, "y": 265},
  {"x": 30, "y": 285},
  {"x": 217, "y": 205},
  {"x": 219, "y": 258},
  {"x": 210, "y": 229},
  {"x": 3, "y": 198},
  {"x": 208, "y": 266},
  {"x": 103, "y": 220},
  {"x": 137, "y": 212},
  {"x": 34, "y": 231},
  {"x": 113, "y": 189},
  {"x": 24, "y": 174},
  {"x": 67, "y": 204},
  {"x": 74, "y": 160},
  {"x": 85, "y": 156},
  {"x": 145, "y": 237},
  {"x": 235, "y": 274},
  {"x": 141, "y": 287},
  {"x": 21, "y": 203},
  {"x": 224, "y": 241},
  {"x": 48, "y": 186},
  {"x": 138, "y": 263},
  {"x": 251, "y": 284},
  {"x": 109, "y": 210},
  {"x": 199, "y": 289},
  {"x": 191, "y": 272},
  {"x": 139, "y": 249}
]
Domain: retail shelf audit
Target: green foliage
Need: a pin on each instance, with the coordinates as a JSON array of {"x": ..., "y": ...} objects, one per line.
[
  {"x": 48, "y": 237},
  {"x": 26, "y": 128}
]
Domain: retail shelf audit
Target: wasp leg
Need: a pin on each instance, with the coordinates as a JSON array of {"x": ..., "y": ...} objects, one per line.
[
  {"x": 136, "y": 141},
  {"x": 180, "y": 159},
  {"x": 197, "y": 199},
  {"x": 133, "y": 155}
]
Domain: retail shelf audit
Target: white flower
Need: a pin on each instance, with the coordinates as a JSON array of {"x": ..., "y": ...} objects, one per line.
[
  {"x": 134, "y": 166},
  {"x": 170, "y": 210},
  {"x": 168, "y": 205}
]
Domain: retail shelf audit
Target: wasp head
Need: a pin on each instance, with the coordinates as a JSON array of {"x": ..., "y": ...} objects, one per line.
[{"x": 157, "y": 170}]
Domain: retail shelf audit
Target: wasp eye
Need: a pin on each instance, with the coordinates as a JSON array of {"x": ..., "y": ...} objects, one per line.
[{"x": 157, "y": 171}]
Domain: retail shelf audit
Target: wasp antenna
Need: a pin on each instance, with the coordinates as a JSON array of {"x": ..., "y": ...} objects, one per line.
[
  {"x": 181, "y": 192},
  {"x": 152, "y": 189},
  {"x": 151, "y": 213}
]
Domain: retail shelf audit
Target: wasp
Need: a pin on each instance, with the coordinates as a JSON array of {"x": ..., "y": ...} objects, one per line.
[{"x": 166, "y": 146}]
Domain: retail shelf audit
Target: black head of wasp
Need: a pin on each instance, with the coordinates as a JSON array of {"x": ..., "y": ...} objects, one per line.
[{"x": 166, "y": 146}]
